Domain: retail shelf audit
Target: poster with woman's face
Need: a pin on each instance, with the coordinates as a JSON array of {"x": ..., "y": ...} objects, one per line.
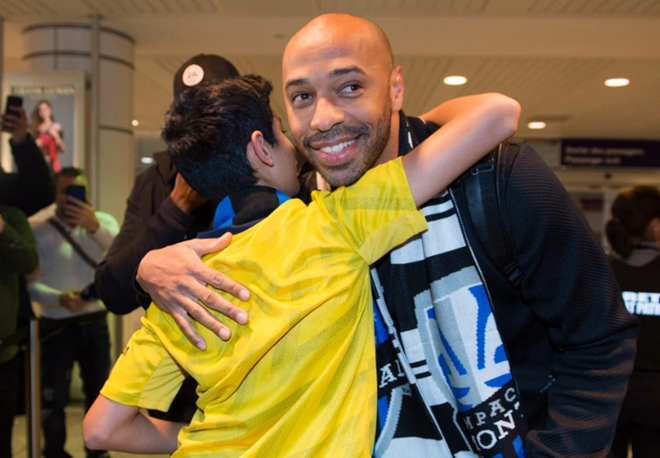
[
  {"x": 49, "y": 110},
  {"x": 55, "y": 103}
]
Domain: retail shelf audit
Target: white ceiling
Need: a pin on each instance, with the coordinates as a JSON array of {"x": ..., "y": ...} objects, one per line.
[{"x": 551, "y": 55}]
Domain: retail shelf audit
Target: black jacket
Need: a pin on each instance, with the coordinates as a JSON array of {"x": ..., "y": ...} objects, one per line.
[
  {"x": 31, "y": 188},
  {"x": 570, "y": 339},
  {"x": 151, "y": 221}
]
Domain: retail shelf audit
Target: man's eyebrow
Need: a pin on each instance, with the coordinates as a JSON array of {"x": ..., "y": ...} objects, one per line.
[
  {"x": 345, "y": 71},
  {"x": 298, "y": 82},
  {"x": 332, "y": 74}
]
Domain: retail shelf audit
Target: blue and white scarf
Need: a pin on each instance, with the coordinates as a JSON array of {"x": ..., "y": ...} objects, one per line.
[{"x": 445, "y": 383}]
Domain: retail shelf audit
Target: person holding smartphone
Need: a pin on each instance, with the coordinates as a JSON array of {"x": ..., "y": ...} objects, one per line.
[
  {"x": 30, "y": 188},
  {"x": 70, "y": 245}
]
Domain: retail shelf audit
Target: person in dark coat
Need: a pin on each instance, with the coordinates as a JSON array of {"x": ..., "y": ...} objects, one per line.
[{"x": 161, "y": 209}]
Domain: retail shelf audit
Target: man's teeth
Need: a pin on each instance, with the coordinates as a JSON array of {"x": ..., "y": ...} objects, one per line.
[{"x": 337, "y": 148}]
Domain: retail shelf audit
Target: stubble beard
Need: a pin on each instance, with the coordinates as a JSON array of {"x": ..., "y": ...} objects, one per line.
[{"x": 371, "y": 147}]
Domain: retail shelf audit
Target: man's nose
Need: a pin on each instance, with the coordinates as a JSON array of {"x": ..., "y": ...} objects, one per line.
[{"x": 326, "y": 115}]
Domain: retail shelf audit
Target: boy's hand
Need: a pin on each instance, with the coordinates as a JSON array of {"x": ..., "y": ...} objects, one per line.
[{"x": 175, "y": 277}]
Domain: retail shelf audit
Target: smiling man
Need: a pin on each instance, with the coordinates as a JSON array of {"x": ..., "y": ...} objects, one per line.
[{"x": 470, "y": 361}]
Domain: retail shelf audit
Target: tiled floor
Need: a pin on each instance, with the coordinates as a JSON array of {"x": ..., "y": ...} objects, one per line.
[{"x": 74, "y": 443}]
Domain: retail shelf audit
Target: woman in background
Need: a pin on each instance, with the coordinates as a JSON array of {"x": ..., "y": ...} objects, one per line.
[
  {"x": 47, "y": 134},
  {"x": 634, "y": 233}
]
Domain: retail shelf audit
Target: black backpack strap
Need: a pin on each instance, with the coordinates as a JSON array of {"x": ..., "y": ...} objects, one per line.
[{"x": 481, "y": 189}]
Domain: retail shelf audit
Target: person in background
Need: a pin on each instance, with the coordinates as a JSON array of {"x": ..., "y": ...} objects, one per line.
[
  {"x": 634, "y": 234},
  {"x": 47, "y": 134},
  {"x": 31, "y": 187},
  {"x": 18, "y": 257},
  {"x": 161, "y": 209},
  {"x": 70, "y": 245}
]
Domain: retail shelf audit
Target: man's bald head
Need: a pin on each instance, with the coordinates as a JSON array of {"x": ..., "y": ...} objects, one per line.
[
  {"x": 342, "y": 94},
  {"x": 343, "y": 29}
]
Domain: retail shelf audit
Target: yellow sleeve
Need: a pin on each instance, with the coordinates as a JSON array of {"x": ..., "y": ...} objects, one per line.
[
  {"x": 145, "y": 375},
  {"x": 377, "y": 213}
]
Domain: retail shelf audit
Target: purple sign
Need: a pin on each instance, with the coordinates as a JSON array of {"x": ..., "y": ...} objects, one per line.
[{"x": 610, "y": 153}]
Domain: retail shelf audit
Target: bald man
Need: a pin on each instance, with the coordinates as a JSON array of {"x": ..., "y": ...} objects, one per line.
[{"x": 470, "y": 362}]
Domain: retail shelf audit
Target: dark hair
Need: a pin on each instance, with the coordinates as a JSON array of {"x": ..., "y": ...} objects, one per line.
[
  {"x": 207, "y": 130},
  {"x": 632, "y": 212},
  {"x": 71, "y": 172}
]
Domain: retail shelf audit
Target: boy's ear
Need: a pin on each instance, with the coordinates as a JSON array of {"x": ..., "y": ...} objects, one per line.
[{"x": 259, "y": 151}]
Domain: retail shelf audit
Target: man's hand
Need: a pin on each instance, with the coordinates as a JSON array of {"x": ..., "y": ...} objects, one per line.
[
  {"x": 15, "y": 123},
  {"x": 71, "y": 300},
  {"x": 185, "y": 197},
  {"x": 2, "y": 224},
  {"x": 81, "y": 214},
  {"x": 175, "y": 277}
]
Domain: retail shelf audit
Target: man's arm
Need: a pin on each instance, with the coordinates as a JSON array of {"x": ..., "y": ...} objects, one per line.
[
  {"x": 32, "y": 187},
  {"x": 586, "y": 316},
  {"x": 109, "y": 425},
  {"x": 106, "y": 232}
]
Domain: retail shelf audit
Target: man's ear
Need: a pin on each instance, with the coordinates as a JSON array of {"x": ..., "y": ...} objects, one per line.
[
  {"x": 259, "y": 151},
  {"x": 396, "y": 88}
]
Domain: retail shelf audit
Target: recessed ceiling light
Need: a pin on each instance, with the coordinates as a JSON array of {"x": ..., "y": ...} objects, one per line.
[
  {"x": 455, "y": 80},
  {"x": 617, "y": 82},
  {"x": 147, "y": 160},
  {"x": 135, "y": 123},
  {"x": 536, "y": 125}
]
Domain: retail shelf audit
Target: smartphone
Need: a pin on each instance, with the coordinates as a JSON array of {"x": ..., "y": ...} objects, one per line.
[
  {"x": 13, "y": 101},
  {"x": 76, "y": 190}
]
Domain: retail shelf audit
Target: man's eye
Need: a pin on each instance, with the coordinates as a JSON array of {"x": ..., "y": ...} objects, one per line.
[
  {"x": 351, "y": 88},
  {"x": 300, "y": 97}
]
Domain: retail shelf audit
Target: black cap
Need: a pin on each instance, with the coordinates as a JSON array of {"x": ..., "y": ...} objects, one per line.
[{"x": 202, "y": 68}]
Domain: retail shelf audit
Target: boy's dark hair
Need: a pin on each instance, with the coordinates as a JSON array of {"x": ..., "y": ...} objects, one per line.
[{"x": 208, "y": 128}]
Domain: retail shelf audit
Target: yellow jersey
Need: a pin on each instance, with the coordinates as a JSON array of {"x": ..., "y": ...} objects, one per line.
[{"x": 298, "y": 380}]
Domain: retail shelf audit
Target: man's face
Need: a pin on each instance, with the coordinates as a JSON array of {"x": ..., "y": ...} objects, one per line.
[{"x": 338, "y": 98}]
